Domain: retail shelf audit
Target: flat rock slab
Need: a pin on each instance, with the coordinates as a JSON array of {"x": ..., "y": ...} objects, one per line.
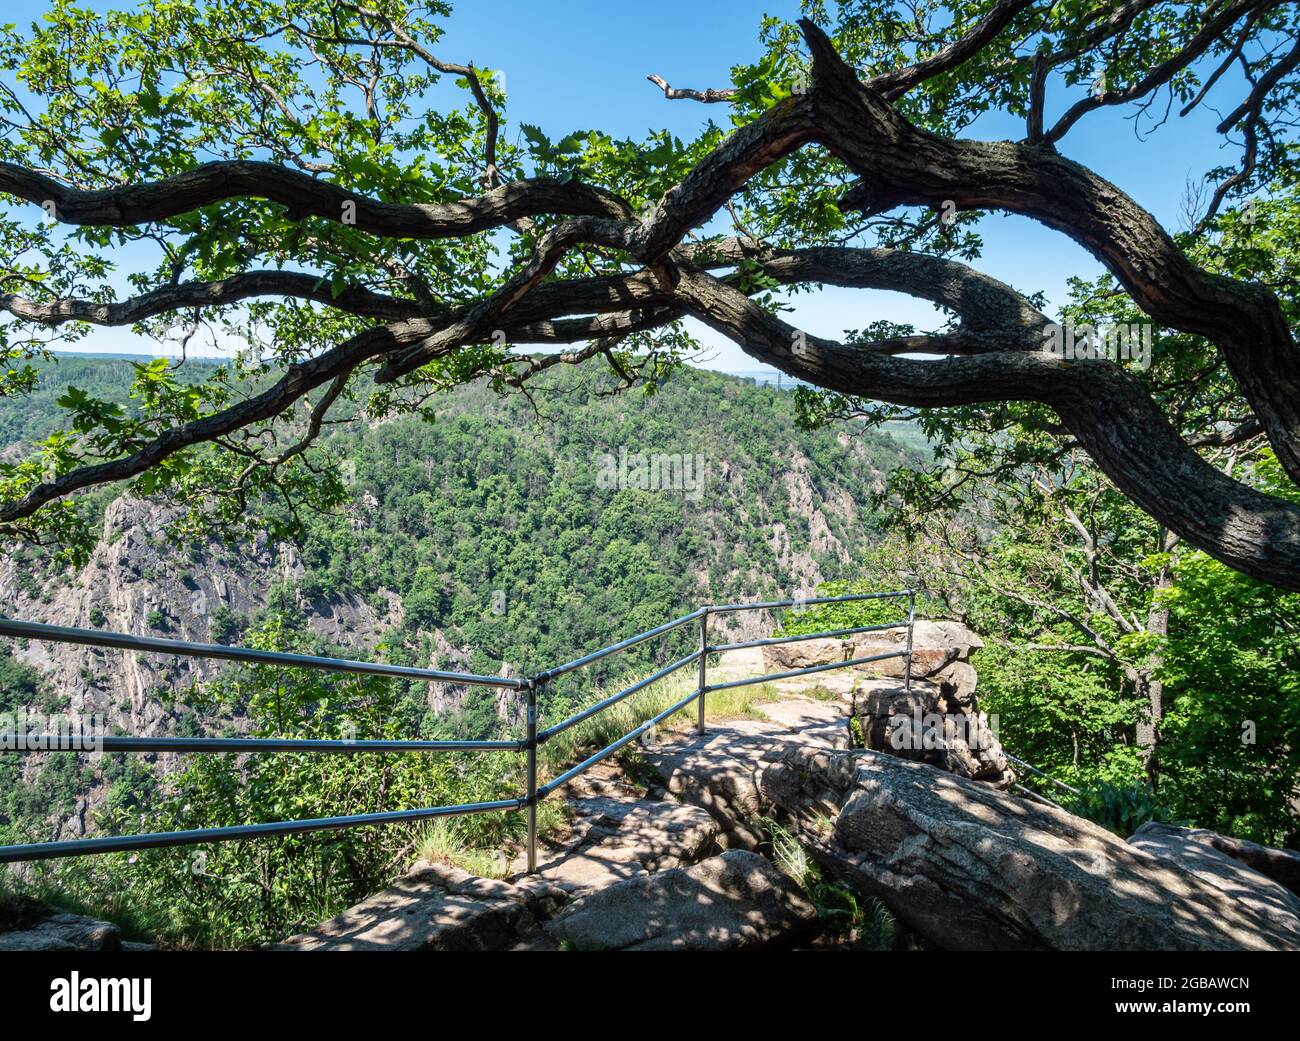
[
  {"x": 437, "y": 908},
  {"x": 732, "y": 901},
  {"x": 720, "y": 771},
  {"x": 61, "y": 931},
  {"x": 822, "y": 721},
  {"x": 614, "y": 839},
  {"x": 1281, "y": 865}
]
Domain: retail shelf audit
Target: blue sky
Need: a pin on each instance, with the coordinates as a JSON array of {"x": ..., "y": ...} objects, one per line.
[{"x": 577, "y": 64}]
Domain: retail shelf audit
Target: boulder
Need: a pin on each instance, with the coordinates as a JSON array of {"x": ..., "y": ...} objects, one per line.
[
  {"x": 1281, "y": 865},
  {"x": 959, "y": 681},
  {"x": 782, "y": 657},
  {"x": 60, "y": 931},
  {"x": 932, "y": 723},
  {"x": 882, "y": 698},
  {"x": 437, "y": 908},
  {"x": 973, "y": 868},
  {"x": 936, "y": 646},
  {"x": 1196, "y": 850},
  {"x": 925, "y": 660},
  {"x": 947, "y": 634},
  {"x": 953, "y": 638},
  {"x": 733, "y": 901}
]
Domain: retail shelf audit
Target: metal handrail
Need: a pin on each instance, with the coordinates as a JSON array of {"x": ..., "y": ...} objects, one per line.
[
  {"x": 251, "y": 655},
  {"x": 771, "y": 677},
  {"x": 533, "y": 739},
  {"x": 264, "y": 744},
  {"x": 622, "y": 645},
  {"x": 613, "y": 699},
  {"x": 1046, "y": 776},
  {"x": 158, "y": 839},
  {"x": 807, "y": 601},
  {"x": 772, "y": 641}
]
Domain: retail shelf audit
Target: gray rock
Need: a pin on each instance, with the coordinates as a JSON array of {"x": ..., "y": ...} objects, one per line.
[
  {"x": 958, "y": 681},
  {"x": 931, "y": 723},
  {"x": 437, "y": 908},
  {"x": 1281, "y": 865},
  {"x": 732, "y": 901},
  {"x": 973, "y": 868},
  {"x": 947, "y": 634},
  {"x": 720, "y": 772},
  {"x": 951, "y": 637},
  {"x": 925, "y": 660},
  {"x": 1196, "y": 850},
  {"x": 617, "y": 838},
  {"x": 60, "y": 931},
  {"x": 935, "y": 647},
  {"x": 783, "y": 656},
  {"x": 879, "y": 697}
]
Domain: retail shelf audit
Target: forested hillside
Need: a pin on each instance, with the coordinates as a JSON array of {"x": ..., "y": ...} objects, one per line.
[{"x": 506, "y": 535}]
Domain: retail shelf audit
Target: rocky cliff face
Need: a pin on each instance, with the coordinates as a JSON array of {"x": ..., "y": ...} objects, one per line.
[{"x": 138, "y": 581}]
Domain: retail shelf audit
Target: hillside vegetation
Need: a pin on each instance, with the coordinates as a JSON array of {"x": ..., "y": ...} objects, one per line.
[{"x": 487, "y": 541}]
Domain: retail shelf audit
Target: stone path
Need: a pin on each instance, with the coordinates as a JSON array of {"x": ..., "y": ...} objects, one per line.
[
  {"x": 438, "y": 908},
  {"x": 735, "y": 900},
  {"x": 638, "y": 868},
  {"x": 620, "y": 831}
]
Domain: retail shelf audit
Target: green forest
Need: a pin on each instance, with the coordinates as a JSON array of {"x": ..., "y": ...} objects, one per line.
[{"x": 490, "y": 523}]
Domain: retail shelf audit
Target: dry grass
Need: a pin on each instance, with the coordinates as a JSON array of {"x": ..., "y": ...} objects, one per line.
[{"x": 606, "y": 727}]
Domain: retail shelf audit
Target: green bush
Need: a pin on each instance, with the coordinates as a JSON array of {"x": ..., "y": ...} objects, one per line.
[{"x": 1121, "y": 808}]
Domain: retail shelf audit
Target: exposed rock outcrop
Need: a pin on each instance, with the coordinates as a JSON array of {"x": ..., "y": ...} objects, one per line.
[
  {"x": 965, "y": 865},
  {"x": 438, "y": 908},
  {"x": 1196, "y": 850},
  {"x": 720, "y": 771},
  {"x": 60, "y": 931},
  {"x": 138, "y": 581},
  {"x": 638, "y": 864},
  {"x": 731, "y": 901},
  {"x": 936, "y": 645},
  {"x": 1281, "y": 865},
  {"x": 613, "y": 839},
  {"x": 973, "y": 868},
  {"x": 931, "y": 723},
  {"x": 935, "y": 719}
]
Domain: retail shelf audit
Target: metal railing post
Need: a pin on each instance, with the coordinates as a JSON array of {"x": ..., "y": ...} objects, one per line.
[
  {"x": 532, "y": 777},
  {"x": 704, "y": 645},
  {"x": 907, "y": 658}
]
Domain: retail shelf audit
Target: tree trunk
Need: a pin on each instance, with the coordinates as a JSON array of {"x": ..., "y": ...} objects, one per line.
[{"x": 1151, "y": 689}]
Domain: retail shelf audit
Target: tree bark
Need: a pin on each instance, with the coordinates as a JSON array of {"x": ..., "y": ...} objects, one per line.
[{"x": 1151, "y": 688}]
